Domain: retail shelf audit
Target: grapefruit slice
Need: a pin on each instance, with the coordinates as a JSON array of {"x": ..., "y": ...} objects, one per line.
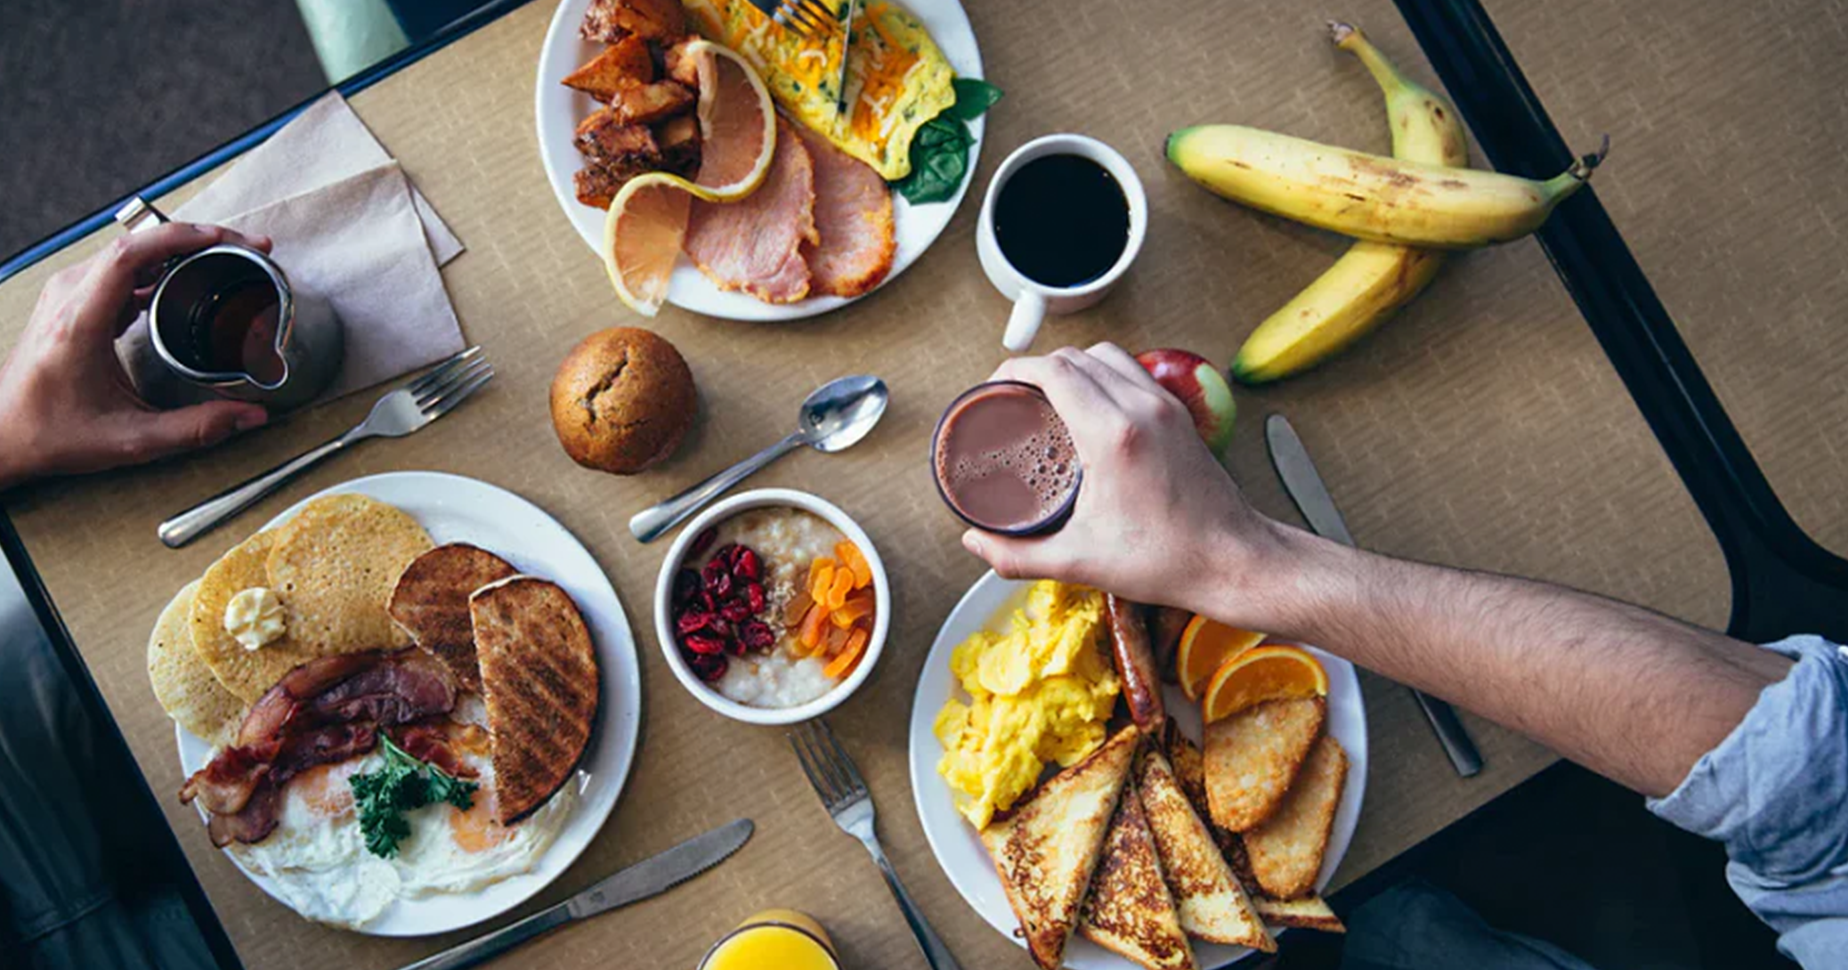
[
  {"x": 1263, "y": 674},
  {"x": 1204, "y": 647},
  {"x": 647, "y": 220}
]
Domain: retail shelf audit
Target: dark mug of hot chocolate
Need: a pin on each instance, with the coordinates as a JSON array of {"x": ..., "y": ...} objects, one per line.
[{"x": 1004, "y": 460}]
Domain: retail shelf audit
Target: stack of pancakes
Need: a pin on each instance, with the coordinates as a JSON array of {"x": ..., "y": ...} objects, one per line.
[{"x": 356, "y": 574}]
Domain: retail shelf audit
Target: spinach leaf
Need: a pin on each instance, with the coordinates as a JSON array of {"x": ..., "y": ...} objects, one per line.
[
  {"x": 940, "y": 150},
  {"x": 973, "y": 97}
]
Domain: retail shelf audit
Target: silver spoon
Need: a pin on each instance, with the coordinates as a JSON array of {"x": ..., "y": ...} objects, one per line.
[{"x": 834, "y": 418}]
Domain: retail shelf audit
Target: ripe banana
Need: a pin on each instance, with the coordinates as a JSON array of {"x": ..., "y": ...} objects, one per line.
[
  {"x": 1372, "y": 280},
  {"x": 1369, "y": 196}
]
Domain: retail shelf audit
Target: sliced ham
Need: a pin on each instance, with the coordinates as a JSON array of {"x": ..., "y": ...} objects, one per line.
[
  {"x": 853, "y": 214},
  {"x": 755, "y": 245}
]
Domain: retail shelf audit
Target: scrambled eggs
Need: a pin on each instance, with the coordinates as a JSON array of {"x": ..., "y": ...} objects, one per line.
[
  {"x": 1039, "y": 693},
  {"x": 897, "y": 79}
]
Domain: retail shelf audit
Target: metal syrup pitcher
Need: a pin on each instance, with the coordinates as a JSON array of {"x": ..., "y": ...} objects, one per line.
[{"x": 225, "y": 321}]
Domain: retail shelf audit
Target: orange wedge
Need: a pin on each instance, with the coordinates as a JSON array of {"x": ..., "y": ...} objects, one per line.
[
  {"x": 1262, "y": 674},
  {"x": 648, "y": 219},
  {"x": 1205, "y": 646}
]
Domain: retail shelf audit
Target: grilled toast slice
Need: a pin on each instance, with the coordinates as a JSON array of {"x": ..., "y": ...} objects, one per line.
[
  {"x": 1209, "y": 900},
  {"x": 1047, "y": 846},
  {"x": 539, "y": 678},
  {"x": 1286, "y": 849},
  {"x": 1252, "y": 758},
  {"x": 1129, "y": 910},
  {"x": 1309, "y": 911},
  {"x": 430, "y": 603}
]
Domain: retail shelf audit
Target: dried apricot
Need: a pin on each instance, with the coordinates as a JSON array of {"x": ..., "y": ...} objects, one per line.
[
  {"x": 858, "y": 605},
  {"x": 853, "y": 560},
  {"x": 798, "y": 608},
  {"x": 812, "y": 623},
  {"x": 844, "y": 661},
  {"x": 838, "y": 588}
]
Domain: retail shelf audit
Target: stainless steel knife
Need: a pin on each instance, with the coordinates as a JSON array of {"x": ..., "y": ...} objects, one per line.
[
  {"x": 1306, "y": 489},
  {"x": 651, "y": 876}
]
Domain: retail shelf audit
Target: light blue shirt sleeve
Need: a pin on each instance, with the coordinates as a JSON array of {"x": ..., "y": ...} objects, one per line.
[{"x": 1775, "y": 794}]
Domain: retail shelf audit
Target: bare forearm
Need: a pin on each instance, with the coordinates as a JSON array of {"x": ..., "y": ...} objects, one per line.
[{"x": 1629, "y": 693}]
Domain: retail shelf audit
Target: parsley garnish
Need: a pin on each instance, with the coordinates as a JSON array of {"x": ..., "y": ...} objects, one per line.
[
  {"x": 940, "y": 151},
  {"x": 401, "y": 785}
]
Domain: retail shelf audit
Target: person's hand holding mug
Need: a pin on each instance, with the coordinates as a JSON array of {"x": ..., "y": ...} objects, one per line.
[
  {"x": 66, "y": 406},
  {"x": 1157, "y": 519}
]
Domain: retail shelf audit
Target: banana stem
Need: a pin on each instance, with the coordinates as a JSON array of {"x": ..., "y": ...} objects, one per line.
[
  {"x": 1581, "y": 169},
  {"x": 1568, "y": 181},
  {"x": 1349, "y": 38}
]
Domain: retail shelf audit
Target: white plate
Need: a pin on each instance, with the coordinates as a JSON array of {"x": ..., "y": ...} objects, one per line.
[
  {"x": 988, "y": 605},
  {"x": 558, "y": 109},
  {"x": 457, "y": 509}
]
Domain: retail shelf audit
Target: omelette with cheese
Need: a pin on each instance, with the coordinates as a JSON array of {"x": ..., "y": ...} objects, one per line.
[
  {"x": 1039, "y": 693},
  {"x": 897, "y": 79}
]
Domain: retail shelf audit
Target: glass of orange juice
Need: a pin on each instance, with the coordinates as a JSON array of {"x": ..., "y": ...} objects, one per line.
[{"x": 775, "y": 939}]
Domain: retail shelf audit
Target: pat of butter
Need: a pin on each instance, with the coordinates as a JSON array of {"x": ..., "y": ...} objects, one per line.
[{"x": 254, "y": 617}]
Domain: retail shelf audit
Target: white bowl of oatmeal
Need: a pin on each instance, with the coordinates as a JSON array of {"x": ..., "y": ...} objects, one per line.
[{"x": 772, "y": 606}]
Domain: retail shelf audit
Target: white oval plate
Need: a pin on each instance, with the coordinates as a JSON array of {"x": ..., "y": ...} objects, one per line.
[
  {"x": 457, "y": 509},
  {"x": 558, "y": 109},
  {"x": 988, "y": 605}
]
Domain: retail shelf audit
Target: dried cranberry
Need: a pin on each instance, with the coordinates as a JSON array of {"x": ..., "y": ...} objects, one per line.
[
  {"x": 723, "y": 556},
  {"x": 713, "y": 570},
  {"x": 756, "y": 635},
  {"x": 708, "y": 602},
  {"x": 736, "y": 612},
  {"x": 754, "y": 597},
  {"x": 719, "y": 628},
  {"x": 702, "y": 541},
  {"x": 719, "y": 585},
  {"x": 701, "y": 643},
  {"x": 736, "y": 646},
  {"x": 686, "y": 586},
  {"x": 745, "y": 565},
  {"x": 708, "y": 667},
  {"x": 693, "y": 621}
]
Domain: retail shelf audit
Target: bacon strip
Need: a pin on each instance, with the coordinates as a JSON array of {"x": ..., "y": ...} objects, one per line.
[{"x": 322, "y": 712}]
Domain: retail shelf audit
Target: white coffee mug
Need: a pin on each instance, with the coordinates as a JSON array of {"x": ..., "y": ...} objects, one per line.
[{"x": 1034, "y": 300}]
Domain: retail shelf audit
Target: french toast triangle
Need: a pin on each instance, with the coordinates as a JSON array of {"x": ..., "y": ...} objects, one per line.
[
  {"x": 1211, "y": 904},
  {"x": 1047, "y": 846},
  {"x": 1129, "y": 910}
]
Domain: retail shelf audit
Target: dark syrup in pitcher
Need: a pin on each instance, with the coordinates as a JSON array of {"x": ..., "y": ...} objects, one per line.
[
  {"x": 1062, "y": 220},
  {"x": 236, "y": 330}
]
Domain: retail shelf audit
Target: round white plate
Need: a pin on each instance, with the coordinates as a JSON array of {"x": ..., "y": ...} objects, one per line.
[
  {"x": 558, "y": 109},
  {"x": 988, "y": 605},
  {"x": 457, "y": 509}
]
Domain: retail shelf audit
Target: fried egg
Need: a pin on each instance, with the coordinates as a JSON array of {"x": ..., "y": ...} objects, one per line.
[
  {"x": 316, "y": 859},
  {"x": 897, "y": 79}
]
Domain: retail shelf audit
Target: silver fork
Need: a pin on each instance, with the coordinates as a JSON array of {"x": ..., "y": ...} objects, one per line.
[
  {"x": 806, "y": 17},
  {"x": 843, "y": 793},
  {"x": 397, "y": 414}
]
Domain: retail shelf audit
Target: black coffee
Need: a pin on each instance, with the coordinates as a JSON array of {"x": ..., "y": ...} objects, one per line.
[{"x": 1062, "y": 220}]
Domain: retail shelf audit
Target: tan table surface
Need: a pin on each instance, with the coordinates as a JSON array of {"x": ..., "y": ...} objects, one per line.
[{"x": 1484, "y": 428}]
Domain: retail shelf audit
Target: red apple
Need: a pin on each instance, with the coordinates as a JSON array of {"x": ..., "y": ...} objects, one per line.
[{"x": 1201, "y": 387}]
